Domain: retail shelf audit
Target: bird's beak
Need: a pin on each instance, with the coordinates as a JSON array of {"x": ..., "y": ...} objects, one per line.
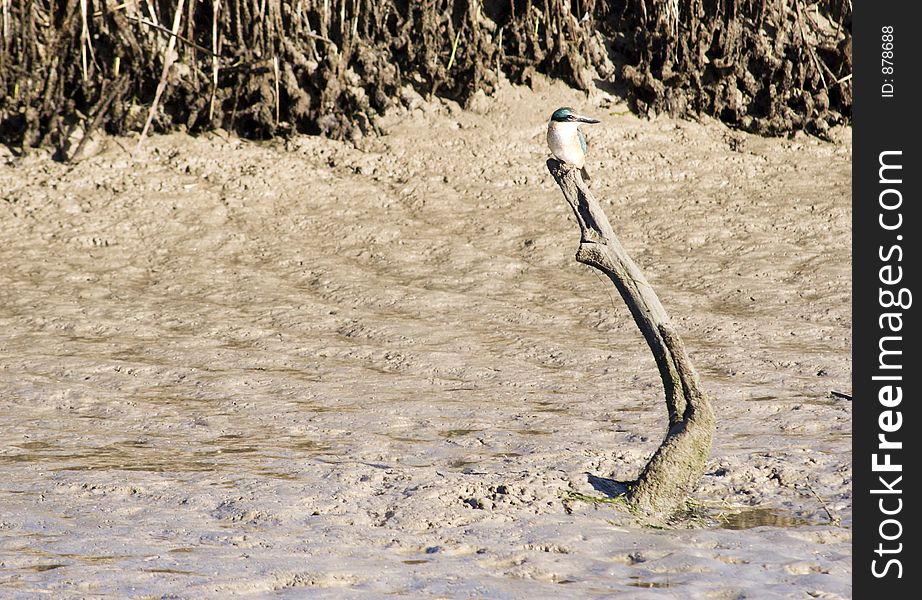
[{"x": 583, "y": 119}]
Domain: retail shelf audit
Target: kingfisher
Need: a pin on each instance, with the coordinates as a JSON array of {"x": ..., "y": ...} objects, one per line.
[{"x": 565, "y": 139}]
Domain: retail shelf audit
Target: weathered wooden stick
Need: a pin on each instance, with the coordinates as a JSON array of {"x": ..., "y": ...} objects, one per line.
[{"x": 678, "y": 464}]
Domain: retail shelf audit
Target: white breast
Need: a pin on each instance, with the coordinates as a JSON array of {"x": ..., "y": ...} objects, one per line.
[{"x": 563, "y": 141}]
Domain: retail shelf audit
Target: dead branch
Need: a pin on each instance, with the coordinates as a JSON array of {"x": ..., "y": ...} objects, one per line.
[{"x": 675, "y": 468}]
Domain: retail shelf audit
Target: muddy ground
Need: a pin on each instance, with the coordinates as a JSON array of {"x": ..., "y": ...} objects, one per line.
[{"x": 309, "y": 368}]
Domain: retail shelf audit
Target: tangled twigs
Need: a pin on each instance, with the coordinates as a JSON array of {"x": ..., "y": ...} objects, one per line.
[
  {"x": 112, "y": 95},
  {"x": 342, "y": 62}
]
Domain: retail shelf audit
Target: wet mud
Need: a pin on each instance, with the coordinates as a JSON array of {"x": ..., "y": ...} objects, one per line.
[{"x": 297, "y": 367}]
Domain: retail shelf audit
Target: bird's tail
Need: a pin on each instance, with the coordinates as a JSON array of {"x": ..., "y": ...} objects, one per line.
[{"x": 585, "y": 174}]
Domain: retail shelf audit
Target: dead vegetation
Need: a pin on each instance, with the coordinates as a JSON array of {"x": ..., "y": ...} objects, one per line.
[
  {"x": 767, "y": 67},
  {"x": 262, "y": 68}
]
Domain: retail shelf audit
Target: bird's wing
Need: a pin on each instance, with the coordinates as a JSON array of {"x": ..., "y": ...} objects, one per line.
[{"x": 582, "y": 140}]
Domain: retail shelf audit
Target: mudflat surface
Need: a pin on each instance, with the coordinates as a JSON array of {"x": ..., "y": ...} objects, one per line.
[{"x": 310, "y": 368}]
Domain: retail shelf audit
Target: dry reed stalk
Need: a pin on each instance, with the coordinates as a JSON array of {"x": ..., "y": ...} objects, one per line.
[
  {"x": 5, "y": 8},
  {"x": 355, "y": 21},
  {"x": 84, "y": 37},
  {"x": 215, "y": 11},
  {"x": 168, "y": 58},
  {"x": 153, "y": 13},
  {"x": 454, "y": 48},
  {"x": 310, "y": 33},
  {"x": 278, "y": 100}
]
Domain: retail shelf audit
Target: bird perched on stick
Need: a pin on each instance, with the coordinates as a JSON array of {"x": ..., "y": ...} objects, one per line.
[{"x": 566, "y": 141}]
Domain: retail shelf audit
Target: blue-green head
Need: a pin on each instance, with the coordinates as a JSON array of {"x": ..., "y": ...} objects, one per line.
[{"x": 566, "y": 114}]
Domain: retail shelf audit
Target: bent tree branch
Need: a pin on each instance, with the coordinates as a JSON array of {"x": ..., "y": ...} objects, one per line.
[{"x": 677, "y": 465}]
